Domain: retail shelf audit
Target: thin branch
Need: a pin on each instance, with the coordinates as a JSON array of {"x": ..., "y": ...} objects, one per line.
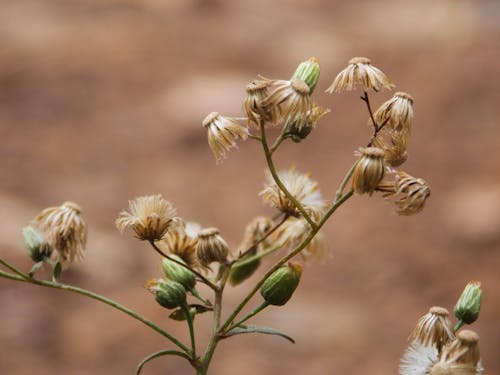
[{"x": 13, "y": 269}]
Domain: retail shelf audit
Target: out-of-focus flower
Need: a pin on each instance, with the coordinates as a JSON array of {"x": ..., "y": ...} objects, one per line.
[
  {"x": 222, "y": 134},
  {"x": 369, "y": 170},
  {"x": 150, "y": 217},
  {"x": 291, "y": 98},
  {"x": 257, "y": 91},
  {"x": 301, "y": 187},
  {"x": 418, "y": 359},
  {"x": 211, "y": 247},
  {"x": 64, "y": 230},
  {"x": 299, "y": 129},
  {"x": 254, "y": 231},
  {"x": 360, "y": 71},
  {"x": 460, "y": 357},
  {"x": 434, "y": 328},
  {"x": 293, "y": 232},
  {"x": 181, "y": 241},
  {"x": 407, "y": 193}
]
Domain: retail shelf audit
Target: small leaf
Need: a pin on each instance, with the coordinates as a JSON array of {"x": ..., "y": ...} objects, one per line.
[
  {"x": 56, "y": 272},
  {"x": 256, "y": 329},
  {"x": 35, "y": 268},
  {"x": 159, "y": 354},
  {"x": 179, "y": 315}
]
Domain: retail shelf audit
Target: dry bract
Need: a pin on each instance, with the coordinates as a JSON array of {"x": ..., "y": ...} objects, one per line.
[
  {"x": 64, "y": 230},
  {"x": 369, "y": 170},
  {"x": 434, "y": 328},
  {"x": 150, "y": 217},
  {"x": 222, "y": 134},
  {"x": 301, "y": 187},
  {"x": 360, "y": 71},
  {"x": 410, "y": 193},
  {"x": 181, "y": 241},
  {"x": 211, "y": 247}
]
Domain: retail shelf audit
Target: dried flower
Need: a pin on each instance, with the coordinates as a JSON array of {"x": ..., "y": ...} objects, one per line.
[
  {"x": 469, "y": 303},
  {"x": 418, "y": 359},
  {"x": 301, "y": 187},
  {"x": 150, "y": 217},
  {"x": 222, "y": 134},
  {"x": 460, "y": 357},
  {"x": 409, "y": 193},
  {"x": 64, "y": 230},
  {"x": 395, "y": 153},
  {"x": 211, "y": 247},
  {"x": 293, "y": 232},
  {"x": 181, "y": 241},
  {"x": 308, "y": 71},
  {"x": 257, "y": 91},
  {"x": 397, "y": 113},
  {"x": 369, "y": 170},
  {"x": 291, "y": 97},
  {"x": 360, "y": 71},
  {"x": 254, "y": 231},
  {"x": 434, "y": 328},
  {"x": 301, "y": 128}
]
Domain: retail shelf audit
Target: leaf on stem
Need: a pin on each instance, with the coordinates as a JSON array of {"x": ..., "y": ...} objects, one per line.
[
  {"x": 159, "y": 354},
  {"x": 56, "y": 272},
  {"x": 179, "y": 315},
  {"x": 256, "y": 329}
]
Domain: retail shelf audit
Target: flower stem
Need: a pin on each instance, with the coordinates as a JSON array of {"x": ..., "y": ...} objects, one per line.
[
  {"x": 189, "y": 320},
  {"x": 87, "y": 293},
  {"x": 251, "y": 314}
]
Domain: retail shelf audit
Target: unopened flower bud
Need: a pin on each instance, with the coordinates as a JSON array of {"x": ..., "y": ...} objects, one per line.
[
  {"x": 241, "y": 273},
  {"x": 211, "y": 247},
  {"x": 279, "y": 287},
  {"x": 308, "y": 71},
  {"x": 176, "y": 272},
  {"x": 37, "y": 248},
  {"x": 169, "y": 294},
  {"x": 299, "y": 129},
  {"x": 469, "y": 303}
]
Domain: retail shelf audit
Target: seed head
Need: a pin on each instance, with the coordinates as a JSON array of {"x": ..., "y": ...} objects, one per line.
[
  {"x": 150, "y": 217},
  {"x": 211, "y": 247},
  {"x": 360, "y": 71},
  {"x": 222, "y": 134},
  {"x": 369, "y": 170},
  {"x": 434, "y": 328},
  {"x": 418, "y": 359}
]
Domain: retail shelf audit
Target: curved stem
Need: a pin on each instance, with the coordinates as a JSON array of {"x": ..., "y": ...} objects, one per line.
[
  {"x": 458, "y": 326},
  {"x": 276, "y": 178},
  {"x": 95, "y": 296},
  {"x": 189, "y": 320},
  {"x": 160, "y": 354},
  {"x": 286, "y": 258},
  {"x": 278, "y": 141},
  {"x": 199, "y": 275}
]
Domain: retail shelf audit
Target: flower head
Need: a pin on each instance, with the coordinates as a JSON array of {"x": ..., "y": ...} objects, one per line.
[
  {"x": 434, "y": 328},
  {"x": 397, "y": 113},
  {"x": 360, "y": 71},
  {"x": 222, "y": 134},
  {"x": 150, "y": 217},
  {"x": 418, "y": 359},
  {"x": 369, "y": 170},
  {"x": 299, "y": 129},
  {"x": 301, "y": 187},
  {"x": 181, "y": 241},
  {"x": 291, "y": 98},
  {"x": 64, "y": 230},
  {"x": 395, "y": 152},
  {"x": 254, "y": 231},
  {"x": 257, "y": 91},
  {"x": 409, "y": 193},
  {"x": 211, "y": 247}
]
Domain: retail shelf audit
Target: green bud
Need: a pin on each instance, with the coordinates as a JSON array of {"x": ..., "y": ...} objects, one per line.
[
  {"x": 308, "y": 71},
  {"x": 279, "y": 287},
  {"x": 303, "y": 124},
  {"x": 37, "y": 248},
  {"x": 241, "y": 273},
  {"x": 469, "y": 303},
  {"x": 176, "y": 272},
  {"x": 170, "y": 294}
]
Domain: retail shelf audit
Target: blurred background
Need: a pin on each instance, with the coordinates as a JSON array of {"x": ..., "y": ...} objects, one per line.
[{"x": 102, "y": 101}]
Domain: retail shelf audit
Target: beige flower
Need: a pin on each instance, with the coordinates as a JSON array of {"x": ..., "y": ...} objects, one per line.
[
  {"x": 360, "y": 71},
  {"x": 369, "y": 170},
  {"x": 301, "y": 187},
  {"x": 295, "y": 230},
  {"x": 395, "y": 153},
  {"x": 434, "y": 328},
  {"x": 407, "y": 193},
  {"x": 222, "y": 134},
  {"x": 64, "y": 230},
  {"x": 211, "y": 247},
  {"x": 291, "y": 98},
  {"x": 150, "y": 217},
  {"x": 181, "y": 241},
  {"x": 397, "y": 113},
  {"x": 254, "y": 231},
  {"x": 418, "y": 359},
  {"x": 257, "y": 91}
]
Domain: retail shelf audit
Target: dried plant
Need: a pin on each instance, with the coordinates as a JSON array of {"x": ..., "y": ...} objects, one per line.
[{"x": 192, "y": 255}]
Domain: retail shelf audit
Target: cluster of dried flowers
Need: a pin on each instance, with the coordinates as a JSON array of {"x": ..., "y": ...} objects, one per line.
[{"x": 436, "y": 348}]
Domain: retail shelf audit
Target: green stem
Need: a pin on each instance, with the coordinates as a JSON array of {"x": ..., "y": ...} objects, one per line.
[
  {"x": 13, "y": 269},
  {"x": 160, "y": 354},
  {"x": 259, "y": 255},
  {"x": 286, "y": 258},
  {"x": 276, "y": 178},
  {"x": 196, "y": 294},
  {"x": 346, "y": 179},
  {"x": 254, "y": 312},
  {"x": 107, "y": 301},
  {"x": 189, "y": 320},
  {"x": 459, "y": 325},
  {"x": 278, "y": 141}
]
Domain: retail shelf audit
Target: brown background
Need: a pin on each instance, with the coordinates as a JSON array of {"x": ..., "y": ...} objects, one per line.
[{"x": 102, "y": 101}]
